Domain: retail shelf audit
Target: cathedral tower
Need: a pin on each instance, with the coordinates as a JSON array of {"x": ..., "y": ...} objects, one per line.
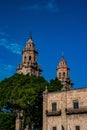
[
  {"x": 29, "y": 60},
  {"x": 63, "y": 74}
]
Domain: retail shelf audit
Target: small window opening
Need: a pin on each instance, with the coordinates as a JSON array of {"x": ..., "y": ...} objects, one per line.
[
  {"x": 54, "y": 128},
  {"x": 29, "y": 57},
  {"x": 59, "y": 75},
  {"x": 63, "y": 74},
  {"x": 54, "y": 106},
  {"x": 25, "y": 59},
  {"x": 75, "y": 104},
  {"x": 62, "y": 127},
  {"x": 77, "y": 127}
]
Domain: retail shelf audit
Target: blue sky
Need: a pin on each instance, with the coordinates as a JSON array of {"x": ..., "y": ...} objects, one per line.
[{"x": 57, "y": 26}]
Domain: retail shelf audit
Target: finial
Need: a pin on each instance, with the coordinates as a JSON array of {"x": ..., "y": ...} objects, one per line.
[
  {"x": 46, "y": 89},
  {"x": 30, "y": 35},
  {"x": 63, "y": 55}
]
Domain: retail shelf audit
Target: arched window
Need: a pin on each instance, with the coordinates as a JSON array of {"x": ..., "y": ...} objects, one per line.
[
  {"x": 59, "y": 75},
  {"x": 25, "y": 59},
  {"x": 63, "y": 74},
  {"x": 29, "y": 57}
]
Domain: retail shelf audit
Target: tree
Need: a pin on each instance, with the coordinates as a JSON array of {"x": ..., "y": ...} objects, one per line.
[
  {"x": 21, "y": 92},
  {"x": 55, "y": 85},
  {"x": 7, "y": 121},
  {"x": 24, "y": 93}
]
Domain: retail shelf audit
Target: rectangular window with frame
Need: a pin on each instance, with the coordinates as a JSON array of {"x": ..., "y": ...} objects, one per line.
[
  {"x": 54, "y": 128},
  {"x": 77, "y": 127},
  {"x": 75, "y": 104},
  {"x": 54, "y": 106}
]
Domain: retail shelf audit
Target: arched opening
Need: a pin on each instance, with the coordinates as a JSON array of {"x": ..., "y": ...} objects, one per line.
[
  {"x": 29, "y": 57},
  {"x": 63, "y": 74},
  {"x": 25, "y": 59},
  {"x": 59, "y": 75}
]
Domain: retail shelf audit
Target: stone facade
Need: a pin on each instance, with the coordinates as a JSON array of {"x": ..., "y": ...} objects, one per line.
[
  {"x": 67, "y": 109},
  {"x": 29, "y": 63},
  {"x": 70, "y": 112}
]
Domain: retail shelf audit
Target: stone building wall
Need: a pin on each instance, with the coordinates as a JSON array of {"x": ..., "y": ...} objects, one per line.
[
  {"x": 65, "y": 117},
  {"x": 78, "y": 94}
]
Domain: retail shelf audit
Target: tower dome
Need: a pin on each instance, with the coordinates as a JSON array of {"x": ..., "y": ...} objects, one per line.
[
  {"x": 30, "y": 44},
  {"x": 62, "y": 62}
]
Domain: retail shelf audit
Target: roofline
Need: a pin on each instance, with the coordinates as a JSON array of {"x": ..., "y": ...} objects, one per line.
[{"x": 66, "y": 90}]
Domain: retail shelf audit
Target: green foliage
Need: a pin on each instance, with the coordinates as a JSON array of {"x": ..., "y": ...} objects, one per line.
[
  {"x": 55, "y": 85},
  {"x": 24, "y": 92},
  {"x": 7, "y": 121}
]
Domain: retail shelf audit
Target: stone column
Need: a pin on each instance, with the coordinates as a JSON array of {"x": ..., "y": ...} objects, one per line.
[
  {"x": 63, "y": 110},
  {"x": 17, "y": 124},
  {"x": 19, "y": 120}
]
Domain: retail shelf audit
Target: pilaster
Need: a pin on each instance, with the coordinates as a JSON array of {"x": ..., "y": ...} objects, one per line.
[
  {"x": 63, "y": 108},
  {"x": 45, "y": 100}
]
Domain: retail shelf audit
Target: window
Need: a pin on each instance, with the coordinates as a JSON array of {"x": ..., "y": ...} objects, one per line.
[
  {"x": 54, "y": 128},
  {"x": 29, "y": 57},
  {"x": 59, "y": 75},
  {"x": 75, "y": 104},
  {"x": 63, "y": 62},
  {"x": 25, "y": 59},
  {"x": 62, "y": 127},
  {"x": 54, "y": 106},
  {"x": 63, "y": 74},
  {"x": 77, "y": 128}
]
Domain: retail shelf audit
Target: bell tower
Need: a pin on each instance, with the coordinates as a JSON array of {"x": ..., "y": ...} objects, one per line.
[
  {"x": 63, "y": 74},
  {"x": 29, "y": 60}
]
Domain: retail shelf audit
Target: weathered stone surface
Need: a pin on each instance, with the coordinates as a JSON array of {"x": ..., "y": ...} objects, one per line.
[
  {"x": 29, "y": 60},
  {"x": 64, "y": 100}
]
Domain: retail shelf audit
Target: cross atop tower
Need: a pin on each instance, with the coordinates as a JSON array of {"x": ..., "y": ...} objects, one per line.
[{"x": 30, "y": 36}]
